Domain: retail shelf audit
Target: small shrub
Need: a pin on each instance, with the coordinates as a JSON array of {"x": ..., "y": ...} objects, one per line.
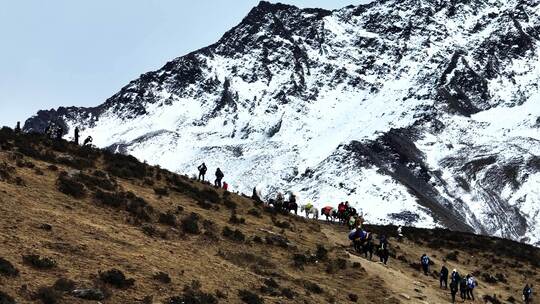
[
  {"x": 162, "y": 277},
  {"x": 249, "y": 297},
  {"x": 63, "y": 284},
  {"x": 254, "y": 212},
  {"x": 211, "y": 195},
  {"x": 6, "y": 299},
  {"x": 491, "y": 299},
  {"x": 161, "y": 191},
  {"x": 300, "y": 260},
  {"x": 282, "y": 224},
  {"x": 190, "y": 224},
  {"x": 353, "y": 297},
  {"x": 235, "y": 235},
  {"x": 7, "y": 269},
  {"x": 356, "y": 265},
  {"x": 193, "y": 295},
  {"x": 288, "y": 293},
  {"x": 168, "y": 219},
  {"x": 124, "y": 166},
  {"x": 229, "y": 204},
  {"x": 116, "y": 278},
  {"x": 48, "y": 295},
  {"x": 36, "y": 261},
  {"x": 69, "y": 186},
  {"x": 321, "y": 253},
  {"x": 257, "y": 239},
  {"x": 52, "y": 168},
  {"x": 236, "y": 220},
  {"x": 112, "y": 199},
  {"x": 452, "y": 256},
  {"x": 99, "y": 180},
  {"x": 149, "y": 229},
  {"x": 313, "y": 287},
  {"x": 488, "y": 278}
]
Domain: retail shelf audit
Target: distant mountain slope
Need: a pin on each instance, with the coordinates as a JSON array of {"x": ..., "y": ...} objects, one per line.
[{"x": 418, "y": 112}]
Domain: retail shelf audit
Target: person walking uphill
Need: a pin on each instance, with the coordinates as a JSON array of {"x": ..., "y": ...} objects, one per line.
[
  {"x": 424, "y": 260},
  {"x": 219, "y": 177},
  {"x": 202, "y": 171},
  {"x": 443, "y": 277},
  {"x": 527, "y": 294},
  {"x": 471, "y": 284}
]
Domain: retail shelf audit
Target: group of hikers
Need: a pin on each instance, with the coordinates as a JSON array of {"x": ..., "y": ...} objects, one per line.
[
  {"x": 219, "y": 176},
  {"x": 55, "y": 131}
]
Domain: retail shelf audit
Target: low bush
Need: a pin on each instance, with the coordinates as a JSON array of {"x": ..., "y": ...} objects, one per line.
[
  {"x": 124, "y": 166},
  {"x": 313, "y": 287},
  {"x": 321, "y": 253},
  {"x": 7, "y": 269},
  {"x": 235, "y": 235},
  {"x": 288, "y": 293},
  {"x": 99, "y": 180},
  {"x": 236, "y": 220},
  {"x": 6, "y": 299},
  {"x": 353, "y": 297},
  {"x": 229, "y": 204},
  {"x": 282, "y": 224},
  {"x": 193, "y": 294},
  {"x": 249, "y": 297},
  {"x": 36, "y": 261},
  {"x": 167, "y": 218},
  {"x": 254, "y": 212},
  {"x": 161, "y": 191},
  {"x": 116, "y": 278},
  {"x": 452, "y": 256},
  {"x": 190, "y": 224},
  {"x": 491, "y": 299},
  {"x": 65, "y": 285},
  {"x": 48, "y": 295},
  {"x": 70, "y": 186},
  {"x": 162, "y": 277}
]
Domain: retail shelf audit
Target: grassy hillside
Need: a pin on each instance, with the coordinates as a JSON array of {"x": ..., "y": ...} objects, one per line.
[{"x": 79, "y": 222}]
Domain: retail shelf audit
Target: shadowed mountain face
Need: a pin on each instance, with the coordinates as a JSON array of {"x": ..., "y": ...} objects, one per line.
[{"x": 417, "y": 112}]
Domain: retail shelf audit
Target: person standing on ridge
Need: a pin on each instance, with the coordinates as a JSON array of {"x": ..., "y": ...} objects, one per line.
[
  {"x": 443, "y": 277},
  {"x": 202, "y": 171},
  {"x": 424, "y": 260},
  {"x": 76, "y": 137},
  {"x": 219, "y": 177}
]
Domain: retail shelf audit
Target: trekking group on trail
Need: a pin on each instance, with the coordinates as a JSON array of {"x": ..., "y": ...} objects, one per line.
[{"x": 362, "y": 240}]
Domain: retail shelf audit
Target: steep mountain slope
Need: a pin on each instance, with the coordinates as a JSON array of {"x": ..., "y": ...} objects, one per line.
[
  {"x": 418, "y": 112},
  {"x": 68, "y": 215}
]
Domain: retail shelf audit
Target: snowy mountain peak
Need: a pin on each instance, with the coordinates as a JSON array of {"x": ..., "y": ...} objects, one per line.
[{"x": 423, "y": 112}]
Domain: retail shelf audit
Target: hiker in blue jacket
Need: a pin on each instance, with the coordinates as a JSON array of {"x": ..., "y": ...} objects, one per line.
[{"x": 424, "y": 260}]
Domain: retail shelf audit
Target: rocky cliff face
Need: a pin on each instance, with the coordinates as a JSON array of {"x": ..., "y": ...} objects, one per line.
[{"x": 419, "y": 112}]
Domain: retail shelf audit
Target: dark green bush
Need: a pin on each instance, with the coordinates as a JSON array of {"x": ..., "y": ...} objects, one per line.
[
  {"x": 116, "y": 278},
  {"x": 36, "y": 261},
  {"x": 7, "y": 269},
  {"x": 190, "y": 224},
  {"x": 70, "y": 186}
]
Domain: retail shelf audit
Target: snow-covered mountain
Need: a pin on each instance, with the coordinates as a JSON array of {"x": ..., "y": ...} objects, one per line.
[{"x": 424, "y": 112}]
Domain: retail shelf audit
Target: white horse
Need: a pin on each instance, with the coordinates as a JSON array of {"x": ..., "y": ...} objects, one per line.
[{"x": 310, "y": 209}]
